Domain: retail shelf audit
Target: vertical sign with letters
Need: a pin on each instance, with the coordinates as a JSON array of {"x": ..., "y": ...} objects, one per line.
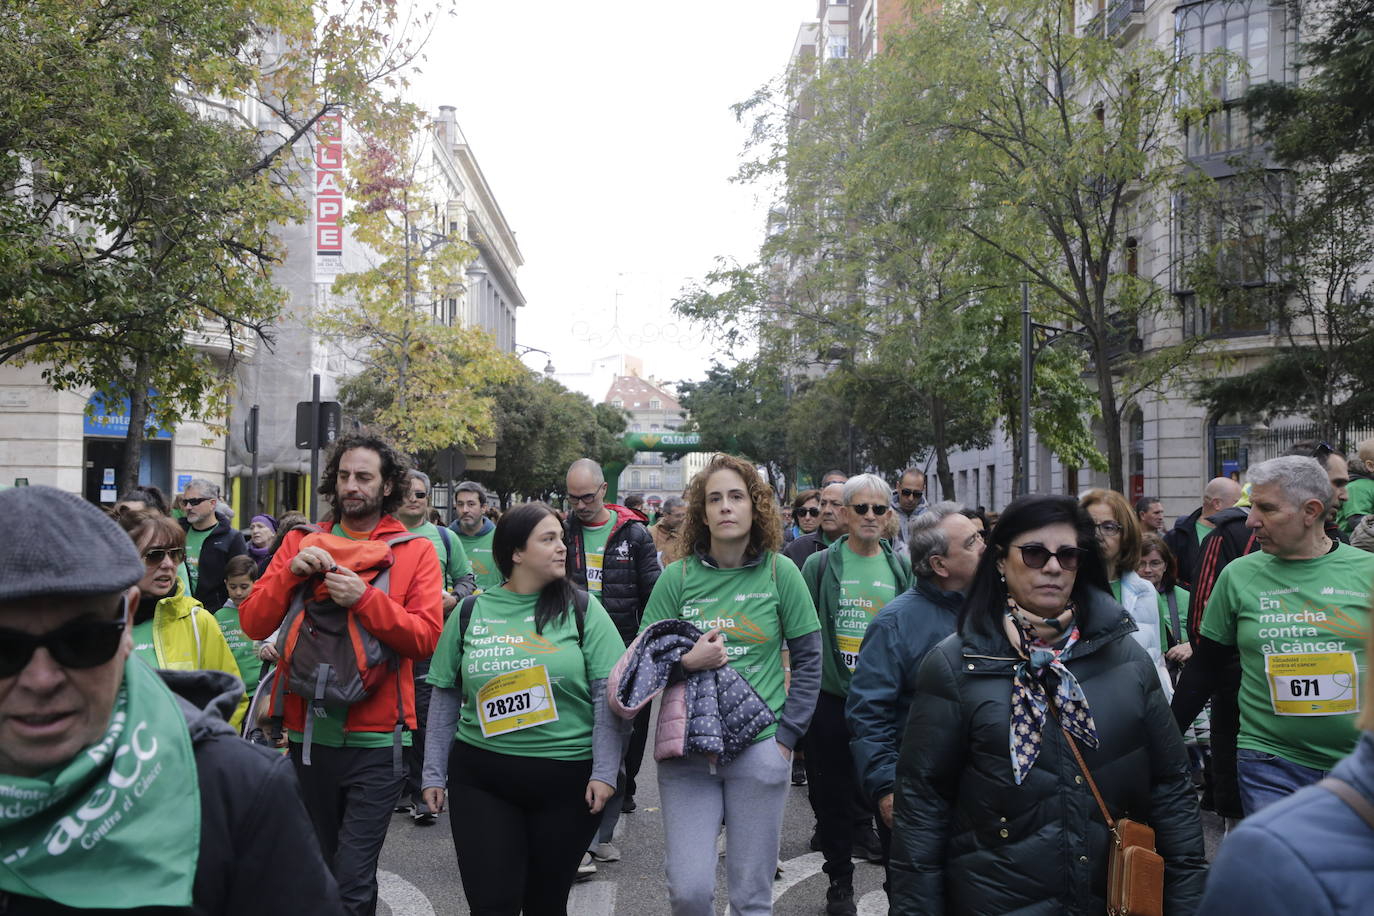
[{"x": 328, "y": 196}]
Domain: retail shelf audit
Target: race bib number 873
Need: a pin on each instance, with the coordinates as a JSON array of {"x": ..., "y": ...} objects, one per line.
[
  {"x": 1313, "y": 683},
  {"x": 515, "y": 701}
]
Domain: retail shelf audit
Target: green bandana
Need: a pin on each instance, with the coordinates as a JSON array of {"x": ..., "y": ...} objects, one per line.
[{"x": 120, "y": 821}]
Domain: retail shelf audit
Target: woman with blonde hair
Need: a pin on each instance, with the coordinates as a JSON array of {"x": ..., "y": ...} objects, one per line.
[
  {"x": 1119, "y": 537},
  {"x": 750, "y": 604}
]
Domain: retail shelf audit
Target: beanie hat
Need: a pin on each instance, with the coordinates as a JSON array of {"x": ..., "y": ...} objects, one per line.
[
  {"x": 267, "y": 520},
  {"x": 62, "y": 545}
]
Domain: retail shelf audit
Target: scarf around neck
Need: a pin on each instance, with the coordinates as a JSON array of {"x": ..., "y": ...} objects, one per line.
[
  {"x": 120, "y": 821},
  {"x": 1042, "y": 661}
]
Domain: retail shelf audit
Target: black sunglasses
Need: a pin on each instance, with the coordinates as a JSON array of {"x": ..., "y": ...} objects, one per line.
[
  {"x": 1035, "y": 556},
  {"x": 419, "y": 494},
  {"x": 910, "y": 493},
  {"x": 155, "y": 556},
  {"x": 808, "y": 510},
  {"x": 879, "y": 509},
  {"x": 79, "y": 644},
  {"x": 195, "y": 501}
]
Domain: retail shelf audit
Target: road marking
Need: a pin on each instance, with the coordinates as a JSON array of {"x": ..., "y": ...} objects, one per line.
[
  {"x": 795, "y": 871},
  {"x": 874, "y": 903},
  {"x": 593, "y": 898},
  {"x": 404, "y": 898}
]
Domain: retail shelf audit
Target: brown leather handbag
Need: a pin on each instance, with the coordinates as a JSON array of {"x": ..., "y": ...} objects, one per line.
[{"x": 1135, "y": 872}]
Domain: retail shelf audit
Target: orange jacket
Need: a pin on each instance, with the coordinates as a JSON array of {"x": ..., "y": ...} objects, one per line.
[{"x": 408, "y": 618}]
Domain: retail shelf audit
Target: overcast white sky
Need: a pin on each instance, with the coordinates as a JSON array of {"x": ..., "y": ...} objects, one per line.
[{"x": 606, "y": 134}]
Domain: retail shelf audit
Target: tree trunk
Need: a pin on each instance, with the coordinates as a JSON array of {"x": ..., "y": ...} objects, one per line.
[
  {"x": 138, "y": 419},
  {"x": 1111, "y": 417},
  {"x": 941, "y": 446}
]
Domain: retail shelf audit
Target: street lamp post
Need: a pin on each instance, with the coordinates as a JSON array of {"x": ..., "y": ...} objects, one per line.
[
  {"x": 1030, "y": 349},
  {"x": 549, "y": 370}
]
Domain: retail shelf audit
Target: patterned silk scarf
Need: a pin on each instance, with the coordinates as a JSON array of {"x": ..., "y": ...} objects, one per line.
[{"x": 1042, "y": 662}]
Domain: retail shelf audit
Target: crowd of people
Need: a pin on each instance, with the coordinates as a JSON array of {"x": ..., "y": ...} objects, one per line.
[{"x": 976, "y": 702}]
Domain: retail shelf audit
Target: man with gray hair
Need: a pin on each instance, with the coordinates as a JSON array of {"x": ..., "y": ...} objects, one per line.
[
  {"x": 1297, "y": 616},
  {"x": 669, "y": 521},
  {"x": 476, "y": 532},
  {"x": 210, "y": 542},
  {"x": 945, "y": 547},
  {"x": 850, "y": 582}
]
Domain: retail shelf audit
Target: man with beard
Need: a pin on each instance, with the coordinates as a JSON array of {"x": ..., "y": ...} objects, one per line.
[{"x": 347, "y": 761}]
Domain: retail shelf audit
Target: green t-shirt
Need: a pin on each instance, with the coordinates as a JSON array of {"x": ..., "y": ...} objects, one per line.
[
  {"x": 1300, "y": 627},
  {"x": 593, "y": 546},
  {"x": 501, "y": 647},
  {"x": 195, "y": 540},
  {"x": 1202, "y": 530},
  {"x": 758, "y": 608},
  {"x": 1360, "y": 501},
  {"x": 866, "y": 586},
  {"x": 142, "y": 634},
  {"x": 478, "y": 550},
  {"x": 245, "y": 649},
  {"x": 454, "y": 563}
]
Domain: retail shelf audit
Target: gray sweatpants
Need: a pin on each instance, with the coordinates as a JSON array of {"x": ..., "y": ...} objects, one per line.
[{"x": 749, "y": 795}]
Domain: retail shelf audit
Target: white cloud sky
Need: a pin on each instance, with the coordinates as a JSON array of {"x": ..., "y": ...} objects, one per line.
[{"x": 606, "y": 134}]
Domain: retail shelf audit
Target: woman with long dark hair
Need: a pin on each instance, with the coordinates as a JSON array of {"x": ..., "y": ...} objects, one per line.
[
  {"x": 520, "y": 678},
  {"x": 993, "y": 813},
  {"x": 750, "y": 603}
]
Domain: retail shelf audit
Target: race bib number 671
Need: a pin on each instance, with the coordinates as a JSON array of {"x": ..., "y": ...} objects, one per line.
[
  {"x": 1313, "y": 683},
  {"x": 515, "y": 701}
]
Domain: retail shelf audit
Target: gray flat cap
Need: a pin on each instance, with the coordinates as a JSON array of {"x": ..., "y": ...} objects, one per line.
[{"x": 59, "y": 544}]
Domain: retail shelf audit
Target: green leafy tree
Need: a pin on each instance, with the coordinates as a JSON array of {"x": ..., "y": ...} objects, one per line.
[{"x": 742, "y": 410}]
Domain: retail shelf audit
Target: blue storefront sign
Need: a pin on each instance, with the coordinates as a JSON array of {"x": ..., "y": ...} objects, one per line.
[{"x": 102, "y": 420}]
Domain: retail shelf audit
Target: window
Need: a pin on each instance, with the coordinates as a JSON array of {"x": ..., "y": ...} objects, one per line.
[
  {"x": 1136, "y": 426},
  {"x": 617, "y": 403},
  {"x": 1132, "y": 257},
  {"x": 654, "y": 480},
  {"x": 1252, "y": 35},
  {"x": 635, "y": 479},
  {"x": 838, "y": 47},
  {"x": 992, "y": 486},
  {"x": 1225, "y": 438},
  {"x": 655, "y": 404}
]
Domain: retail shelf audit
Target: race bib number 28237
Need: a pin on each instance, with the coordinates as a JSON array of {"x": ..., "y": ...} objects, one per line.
[{"x": 518, "y": 700}]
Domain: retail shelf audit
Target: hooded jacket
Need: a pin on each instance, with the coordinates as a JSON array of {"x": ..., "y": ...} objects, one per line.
[
  {"x": 1308, "y": 853},
  {"x": 1229, "y": 539},
  {"x": 1184, "y": 545},
  {"x": 222, "y": 543},
  {"x": 967, "y": 839},
  {"x": 408, "y": 618},
  {"x": 187, "y": 637},
  {"x": 884, "y": 682},
  {"x": 824, "y": 586},
  {"x": 251, "y": 820},
  {"x": 629, "y": 566}
]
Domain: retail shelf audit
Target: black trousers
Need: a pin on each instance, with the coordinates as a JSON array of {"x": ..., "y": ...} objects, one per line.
[
  {"x": 520, "y": 827},
  {"x": 350, "y": 793},
  {"x": 836, "y": 784},
  {"x": 414, "y": 755},
  {"x": 1225, "y": 730},
  {"x": 634, "y": 754}
]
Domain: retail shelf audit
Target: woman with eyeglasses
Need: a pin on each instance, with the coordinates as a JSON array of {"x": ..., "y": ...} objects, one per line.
[
  {"x": 172, "y": 630},
  {"x": 993, "y": 813},
  {"x": 1118, "y": 535}
]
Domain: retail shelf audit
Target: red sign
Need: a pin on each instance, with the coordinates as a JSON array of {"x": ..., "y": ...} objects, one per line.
[{"x": 329, "y": 194}]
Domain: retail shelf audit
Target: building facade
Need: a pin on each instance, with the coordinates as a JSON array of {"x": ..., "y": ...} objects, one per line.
[{"x": 652, "y": 408}]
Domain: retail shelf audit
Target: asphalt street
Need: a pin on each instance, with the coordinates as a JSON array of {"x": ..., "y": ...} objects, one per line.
[{"x": 419, "y": 874}]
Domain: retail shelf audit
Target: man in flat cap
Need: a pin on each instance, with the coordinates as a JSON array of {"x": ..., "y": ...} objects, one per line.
[{"x": 121, "y": 787}]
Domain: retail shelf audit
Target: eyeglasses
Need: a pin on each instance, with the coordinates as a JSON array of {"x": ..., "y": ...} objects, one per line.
[
  {"x": 808, "y": 510},
  {"x": 1109, "y": 528},
  {"x": 912, "y": 494},
  {"x": 155, "y": 556},
  {"x": 586, "y": 498},
  {"x": 195, "y": 501},
  {"x": 79, "y": 644},
  {"x": 1035, "y": 556},
  {"x": 418, "y": 494},
  {"x": 879, "y": 509}
]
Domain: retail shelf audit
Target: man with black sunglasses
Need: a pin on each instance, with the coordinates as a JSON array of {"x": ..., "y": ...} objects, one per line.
[
  {"x": 210, "y": 542},
  {"x": 908, "y": 501},
  {"x": 102, "y": 758}
]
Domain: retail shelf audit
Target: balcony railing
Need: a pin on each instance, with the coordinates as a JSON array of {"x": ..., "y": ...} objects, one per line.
[{"x": 1125, "y": 18}]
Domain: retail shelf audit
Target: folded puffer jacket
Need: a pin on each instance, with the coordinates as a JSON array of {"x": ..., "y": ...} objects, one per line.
[{"x": 717, "y": 713}]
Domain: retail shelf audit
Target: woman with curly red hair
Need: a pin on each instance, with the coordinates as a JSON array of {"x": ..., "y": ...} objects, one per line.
[{"x": 750, "y": 606}]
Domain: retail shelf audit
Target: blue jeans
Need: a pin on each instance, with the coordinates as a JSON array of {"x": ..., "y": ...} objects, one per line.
[{"x": 1266, "y": 778}]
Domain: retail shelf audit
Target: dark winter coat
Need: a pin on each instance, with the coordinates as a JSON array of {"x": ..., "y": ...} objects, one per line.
[
  {"x": 629, "y": 567},
  {"x": 714, "y": 712},
  {"x": 803, "y": 547},
  {"x": 1308, "y": 853},
  {"x": 1184, "y": 545},
  {"x": 884, "y": 681},
  {"x": 1229, "y": 539},
  {"x": 251, "y": 821},
  {"x": 223, "y": 542},
  {"x": 967, "y": 839}
]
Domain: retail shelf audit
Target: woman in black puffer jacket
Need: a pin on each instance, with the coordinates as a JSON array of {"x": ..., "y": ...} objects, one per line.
[{"x": 993, "y": 814}]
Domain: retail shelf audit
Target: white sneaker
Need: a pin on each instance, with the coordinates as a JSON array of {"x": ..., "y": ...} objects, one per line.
[
  {"x": 605, "y": 852},
  {"x": 587, "y": 868}
]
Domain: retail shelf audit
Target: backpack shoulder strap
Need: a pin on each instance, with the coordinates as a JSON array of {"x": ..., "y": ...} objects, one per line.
[
  {"x": 1351, "y": 796},
  {"x": 464, "y": 618},
  {"x": 825, "y": 561},
  {"x": 447, "y": 537},
  {"x": 580, "y": 600}
]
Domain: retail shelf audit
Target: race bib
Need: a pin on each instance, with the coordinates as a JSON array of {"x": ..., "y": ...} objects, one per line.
[
  {"x": 849, "y": 649},
  {"x": 594, "y": 573},
  {"x": 1313, "y": 683},
  {"x": 515, "y": 701}
]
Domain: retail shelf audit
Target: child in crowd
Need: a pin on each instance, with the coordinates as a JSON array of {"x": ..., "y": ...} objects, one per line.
[{"x": 239, "y": 574}]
